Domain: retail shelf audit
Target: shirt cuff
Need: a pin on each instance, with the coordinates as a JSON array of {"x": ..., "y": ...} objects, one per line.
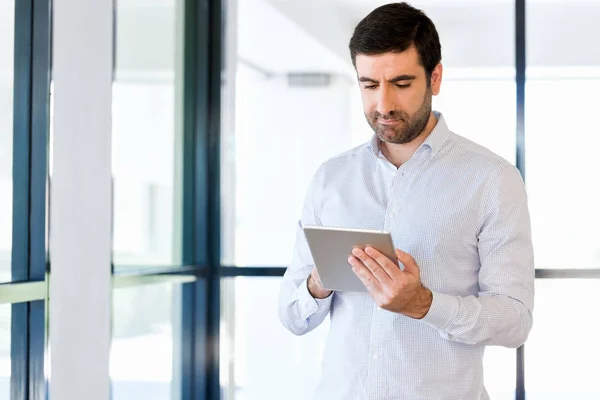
[
  {"x": 308, "y": 304},
  {"x": 444, "y": 309}
]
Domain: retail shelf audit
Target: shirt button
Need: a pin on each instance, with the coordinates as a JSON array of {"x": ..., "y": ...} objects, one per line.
[
  {"x": 375, "y": 356},
  {"x": 391, "y": 215},
  {"x": 378, "y": 308}
]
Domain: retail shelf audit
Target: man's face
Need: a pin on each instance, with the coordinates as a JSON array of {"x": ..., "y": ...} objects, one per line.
[{"x": 395, "y": 95}]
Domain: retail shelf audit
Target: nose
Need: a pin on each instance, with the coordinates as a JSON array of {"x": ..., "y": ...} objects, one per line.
[{"x": 385, "y": 103}]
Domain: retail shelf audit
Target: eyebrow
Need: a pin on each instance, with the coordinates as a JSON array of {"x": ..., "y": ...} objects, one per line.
[{"x": 393, "y": 80}]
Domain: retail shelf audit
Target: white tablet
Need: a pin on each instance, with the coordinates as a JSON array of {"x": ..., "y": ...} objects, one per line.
[{"x": 330, "y": 248}]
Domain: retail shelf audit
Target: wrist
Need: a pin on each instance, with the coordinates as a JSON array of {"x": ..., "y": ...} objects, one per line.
[
  {"x": 315, "y": 291},
  {"x": 420, "y": 304}
]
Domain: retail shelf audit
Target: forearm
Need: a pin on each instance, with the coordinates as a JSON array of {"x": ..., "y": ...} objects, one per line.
[{"x": 485, "y": 320}]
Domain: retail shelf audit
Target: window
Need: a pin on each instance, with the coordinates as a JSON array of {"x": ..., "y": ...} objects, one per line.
[
  {"x": 562, "y": 351},
  {"x": 260, "y": 359},
  {"x": 147, "y": 151},
  {"x": 280, "y": 123},
  {"x": 146, "y": 140},
  {"x": 292, "y": 109},
  {"x": 561, "y": 137},
  {"x": 290, "y": 102},
  {"x": 144, "y": 326}
]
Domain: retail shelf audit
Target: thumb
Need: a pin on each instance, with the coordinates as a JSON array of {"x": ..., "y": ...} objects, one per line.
[{"x": 408, "y": 261}]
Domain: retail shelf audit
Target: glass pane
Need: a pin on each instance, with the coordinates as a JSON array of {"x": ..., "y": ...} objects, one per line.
[
  {"x": 145, "y": 323},
  {"x": 500, "y": 372},
  {"x": 469, "y": 104},
  {"x": 7, "y": 28},
  {"x": 5, "y": 361},
  {"x": 288, "y": 111},
  {"x": 146, "y": 133},
  {"x": 257, "y": 353},
  {"x": 561, "y": 101},
  {"x": 479, "y": 74},
  {"x": 562, "y": 353}
]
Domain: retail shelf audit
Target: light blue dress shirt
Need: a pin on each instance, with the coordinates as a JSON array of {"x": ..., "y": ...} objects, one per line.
[{"x": 461, "y": 212}]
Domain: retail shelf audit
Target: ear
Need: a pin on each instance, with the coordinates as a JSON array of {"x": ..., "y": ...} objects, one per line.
[{"x": 436, "y": 79}]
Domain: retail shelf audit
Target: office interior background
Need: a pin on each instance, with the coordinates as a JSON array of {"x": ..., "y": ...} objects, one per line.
[{"x": 154, "y": 160}]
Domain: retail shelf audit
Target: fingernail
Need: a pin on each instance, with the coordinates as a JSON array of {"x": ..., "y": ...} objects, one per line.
[
  {"x": 350, "y": 260},
  {"x": 356, "y": 251}
]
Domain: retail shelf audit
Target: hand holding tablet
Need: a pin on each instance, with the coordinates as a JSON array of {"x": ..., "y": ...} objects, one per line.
[{"x": 330, "y": 248}]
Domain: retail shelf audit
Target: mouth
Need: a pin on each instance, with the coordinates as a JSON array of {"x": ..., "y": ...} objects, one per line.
[{"x": 389, "y": 121}]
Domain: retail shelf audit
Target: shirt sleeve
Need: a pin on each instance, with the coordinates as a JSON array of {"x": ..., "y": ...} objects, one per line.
[
  {"x": 501, "y": 313},
  {"x": 299, "y": 312}
]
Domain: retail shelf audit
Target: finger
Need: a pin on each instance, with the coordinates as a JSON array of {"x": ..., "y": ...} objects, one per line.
[
  {"x": 372, "y": 264},
  {"x": 315, "y": 274},
  {"x": 390, "y": 267},
  {"x": 410, "y": 265},
  {"x": 317, "y": 281},
  {"x": 364, "y": 274}
]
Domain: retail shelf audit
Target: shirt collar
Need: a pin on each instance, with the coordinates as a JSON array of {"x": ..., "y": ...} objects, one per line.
[
  {"x": 434, "y": 141},
  {"x": 438, "y": 135}
]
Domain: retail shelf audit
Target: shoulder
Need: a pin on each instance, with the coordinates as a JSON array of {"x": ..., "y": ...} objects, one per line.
[
  {"x": 475, "y": 160},
  {"x": 343, "y": 162},
  {"x": 472, "y": 152}
]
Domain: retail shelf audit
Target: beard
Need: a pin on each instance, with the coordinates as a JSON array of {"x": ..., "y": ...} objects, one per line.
[{"x": 409, "y": 126}]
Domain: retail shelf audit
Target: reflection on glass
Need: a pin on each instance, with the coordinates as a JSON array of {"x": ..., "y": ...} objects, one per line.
[
  {"x": 562, "y": 353},
  {"x": 561, "y": 135},
  {"x": 292, "y": 108},
  {"x": 259, "y": 358},
  {"x": 5, "y": 361},
  {"x": 7, "y": 27},
  {"x": 145, "y": 140},
  {"x": 141, "y": 356}
]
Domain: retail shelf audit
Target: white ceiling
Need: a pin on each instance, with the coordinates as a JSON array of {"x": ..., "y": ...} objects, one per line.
[
  {"x": 312, "y": 35},
  {"x": 474, "y": 33}
]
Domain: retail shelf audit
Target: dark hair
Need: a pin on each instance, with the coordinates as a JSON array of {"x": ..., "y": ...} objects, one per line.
[{"x": 394, "y": 28}]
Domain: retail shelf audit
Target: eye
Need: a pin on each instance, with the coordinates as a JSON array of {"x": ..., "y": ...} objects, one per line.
[
  {"x": 370, "y": 86},
  {"x": 403, "y": 86}
]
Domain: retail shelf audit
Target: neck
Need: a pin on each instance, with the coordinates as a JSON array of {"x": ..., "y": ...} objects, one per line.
[{"x": 398, "y": 154}]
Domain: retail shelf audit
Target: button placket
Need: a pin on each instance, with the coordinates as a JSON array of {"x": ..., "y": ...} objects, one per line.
[
  {"x": 396, "y": 194},
  {"x": 375, "y": 366}
]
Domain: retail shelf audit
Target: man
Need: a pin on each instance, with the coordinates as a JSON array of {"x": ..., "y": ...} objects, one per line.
[{"x": 458, "y": 213}]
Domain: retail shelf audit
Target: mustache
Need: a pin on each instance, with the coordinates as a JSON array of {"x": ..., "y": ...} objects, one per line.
[{"x": 394, "y": 115}]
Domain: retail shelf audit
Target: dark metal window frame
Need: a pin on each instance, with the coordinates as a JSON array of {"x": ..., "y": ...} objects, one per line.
[{"x": 27, "y": 293}]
